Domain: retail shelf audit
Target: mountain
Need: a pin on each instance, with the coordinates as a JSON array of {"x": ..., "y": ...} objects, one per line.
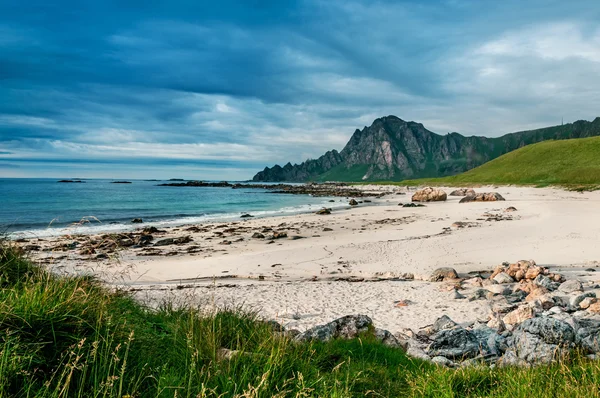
[{"x": 393, "y": 149}]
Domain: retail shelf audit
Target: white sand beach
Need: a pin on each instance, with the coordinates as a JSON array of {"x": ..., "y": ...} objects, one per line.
[{"x": 357, "y": 260}]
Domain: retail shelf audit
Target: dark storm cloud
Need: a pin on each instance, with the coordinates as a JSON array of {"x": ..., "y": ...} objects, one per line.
[{"x": 234, "y": 85}]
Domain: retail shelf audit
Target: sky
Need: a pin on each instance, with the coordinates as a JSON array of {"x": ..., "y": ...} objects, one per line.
[{"x": 220, "y": 89}]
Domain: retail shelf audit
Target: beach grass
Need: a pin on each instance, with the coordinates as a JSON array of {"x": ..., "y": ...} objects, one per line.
[
  {"x": 70, "y": 336},
  {"x": 573, "y": 164}
]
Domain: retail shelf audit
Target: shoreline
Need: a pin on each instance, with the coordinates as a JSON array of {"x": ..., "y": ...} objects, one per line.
[
  {"x": 363, "y": 259},
  {"x": 334, "y": 195}
]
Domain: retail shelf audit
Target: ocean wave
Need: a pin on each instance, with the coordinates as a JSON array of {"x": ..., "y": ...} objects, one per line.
[{"x": 94, "y": 226}]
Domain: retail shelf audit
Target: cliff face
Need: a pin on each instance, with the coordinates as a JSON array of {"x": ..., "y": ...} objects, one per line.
[{"x": 392, "y": 149}]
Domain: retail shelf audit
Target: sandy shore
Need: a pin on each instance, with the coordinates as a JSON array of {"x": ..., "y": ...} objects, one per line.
[{"x": 357, "y": 260}]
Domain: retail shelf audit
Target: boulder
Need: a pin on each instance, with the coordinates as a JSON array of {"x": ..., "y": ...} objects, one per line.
[
  {"x": 463, "y": 192},
  {"x": 594, "y": 308},
  {"x": 586, "y": 302},
  {"x": 575, "y": 300},
  {"x": 503, "y": 277},
  {"x": 323, "y": 211},
  {"x": 544, "y": 281},
  {"x": 442, "y": 274},
  {"x": 347, "y": 327},
  {"x": 137, "y": 221},
  {"x": 482, "y": 197},
  {"x": 588, "y": 335},
  {"x": 444, "y": 322},
  {"x": 455, "y": 343},
  {"x": 246, "y": 216},
  {"x": 387, "y": 338},
  {"x": 519, "y": 315},
  {"x": 571, "y": 286},
  {"x": 258, "y": 235},
  {"x": 353, "y": 202},
  {"x": 429, "y": 194},
  {"x": 541, "y": 340}
]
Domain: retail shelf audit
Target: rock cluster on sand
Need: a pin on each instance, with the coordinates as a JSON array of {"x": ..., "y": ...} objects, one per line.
[
  {"x": 429, "y": 194},
  {"x": 482, "y": 197},
  {"x": 535, "y": 317}
]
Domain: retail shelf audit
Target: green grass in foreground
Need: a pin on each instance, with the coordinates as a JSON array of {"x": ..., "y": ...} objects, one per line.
[
  {"x": 571, "y": 163},
  {"x": 71, "y": 337}
]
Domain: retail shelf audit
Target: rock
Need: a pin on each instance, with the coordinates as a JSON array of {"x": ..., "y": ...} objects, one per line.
[
  {"x": 411, "y": 205},
  {"x": 327, "y": 229},
  {"x": 482, "y": 197},
  {"x": 546, "y": 301},
  {"x": 588, "y": 335},
  {"x": 540, "y": 340},
  {"x": 575, "y": 300},
  {"x": 415, "y": 352},
  {"x": 246, "y": 216},
  {"x": 544, "y": 281},
  {"x": 323, "y": 211},
  {"x": 536, "y": 292},
  {"x": 150, "y": 230},
  {"x": 510, "y": 209},
  {"x": 279, "y": 235},
  {"x": 456, "y": 295},
  {"x": 571, "y": 286},
  {"x": 503, "y": 277},
  {"x": 143, "y": 240},
  {"x": 594, "y": 308},
  {"x": 353, "y": 202},
  {"x": 519, "y": 315},
  {"x": 533, "y": 271},
  {"x": 444, "y": 322},
  {"x": 442, "y": 361},
  {"x": 137, "y": 221},
  {"x": 386, "y": 338},
  {"x": 455, "y": 343},
  {"x": 479, "y": 294},
  {"x": 165, "y": 242},
  {"x": 463, "y": 192},
  {"x": 347, "y": 327},
  {"x": 429, "y": 194},
  {"x": 258, "y": 235},
  {"x": 173, "y": 241},
  {"x": 442, "y": 274},
  {"x": 499, "y": 289}
]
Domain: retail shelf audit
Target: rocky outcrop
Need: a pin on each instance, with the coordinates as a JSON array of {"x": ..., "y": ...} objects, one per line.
[
  {"x": 394, "y": 149},
  {"x": 429, "y": 194}
]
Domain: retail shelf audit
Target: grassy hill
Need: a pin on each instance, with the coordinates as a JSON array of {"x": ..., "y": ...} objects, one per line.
[{"x": 566, "y": 162}]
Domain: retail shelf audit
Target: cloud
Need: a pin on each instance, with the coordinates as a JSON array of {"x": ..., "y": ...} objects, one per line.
[{"x": 120, "y": 89}]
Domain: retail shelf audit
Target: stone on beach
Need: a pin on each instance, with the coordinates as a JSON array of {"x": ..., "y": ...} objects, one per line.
[
  {"x": 482, "y": 197},
  {"x": 429, "y": 194},
  {"x": 442, "y": 274},
  {"x": 463, "y": 192}
]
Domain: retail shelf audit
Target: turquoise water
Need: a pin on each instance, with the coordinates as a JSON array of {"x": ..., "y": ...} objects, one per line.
[{"x": 43, "y": 207}]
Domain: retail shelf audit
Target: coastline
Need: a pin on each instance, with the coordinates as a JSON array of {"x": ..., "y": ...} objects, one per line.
[{"x": 356, "y": 260}]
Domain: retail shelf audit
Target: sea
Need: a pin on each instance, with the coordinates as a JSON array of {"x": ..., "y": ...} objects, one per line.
[{"x": 45, "y": 207}]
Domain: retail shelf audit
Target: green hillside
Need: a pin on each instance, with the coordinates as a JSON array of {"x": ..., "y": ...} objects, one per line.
[{"x": 564, "y": 162}]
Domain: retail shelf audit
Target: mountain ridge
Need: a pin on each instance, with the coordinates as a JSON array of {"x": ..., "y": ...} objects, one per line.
[{"x": 394, "y": 149}]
